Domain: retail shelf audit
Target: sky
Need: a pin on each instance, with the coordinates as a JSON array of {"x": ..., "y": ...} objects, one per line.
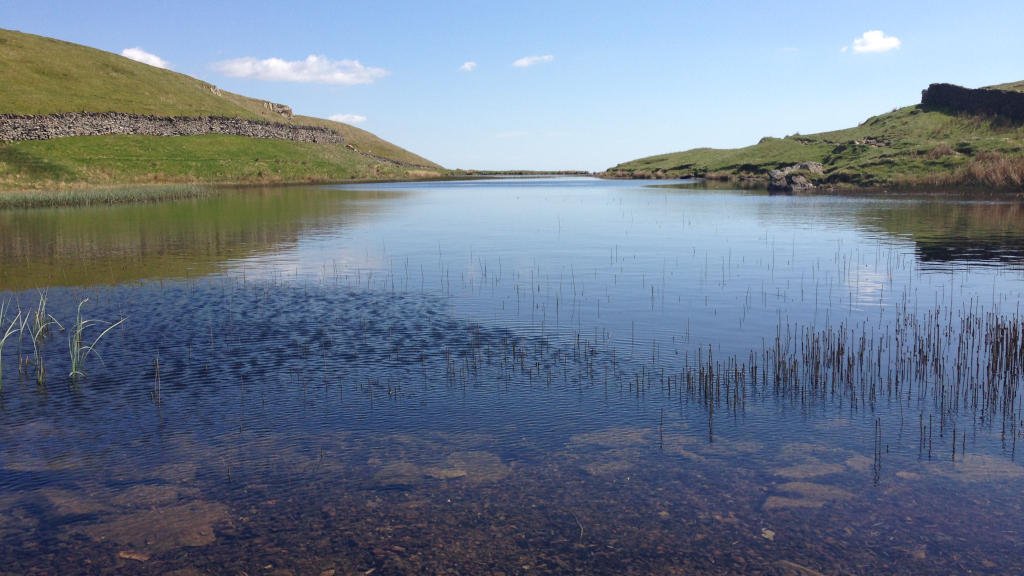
[{"x": 560, "y": 85}]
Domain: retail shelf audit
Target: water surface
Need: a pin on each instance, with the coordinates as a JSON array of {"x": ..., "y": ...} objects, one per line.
[{"x": 515, "y": 376}]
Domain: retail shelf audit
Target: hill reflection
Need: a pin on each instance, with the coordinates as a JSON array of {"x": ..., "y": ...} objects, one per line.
[{"x": 189, "y": 238}]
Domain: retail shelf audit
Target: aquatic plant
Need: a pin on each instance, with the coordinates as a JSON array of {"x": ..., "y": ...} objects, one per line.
[
  {"x": 37, "y": 357},
  {"x": 41, "y": 322},
  {"x": 14, "y": 327},
  {"x": 155, "y": 394},
  {"x": 78, "y": 349}
]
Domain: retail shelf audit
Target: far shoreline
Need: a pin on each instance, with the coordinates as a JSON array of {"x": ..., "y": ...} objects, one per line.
[
  {"x": 80, "y": 194},
  {"x": 70, "y": 195},
  {"x": 965, "y": 191}
]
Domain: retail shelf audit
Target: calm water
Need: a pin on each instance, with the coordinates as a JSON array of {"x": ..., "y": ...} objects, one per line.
[{"x": 514, "y": 377}]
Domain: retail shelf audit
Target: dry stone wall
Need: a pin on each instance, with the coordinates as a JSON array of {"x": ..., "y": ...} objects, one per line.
[
  {"x": 15, "y": 128},
  {"x": 1002, "y": 103}
]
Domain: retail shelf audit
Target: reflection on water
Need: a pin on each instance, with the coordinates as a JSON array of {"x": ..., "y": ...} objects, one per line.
[
  {"x": 959, "y": 232},
  {"x": 180, "y": 239},
  {"x": 526, "y": 377}
]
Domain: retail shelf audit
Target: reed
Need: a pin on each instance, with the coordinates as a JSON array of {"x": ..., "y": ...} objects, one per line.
[
  {"x": 157, "y": 387},
  {"x": 14, "y": 327},
  {"x": 41, "y": 322},
  {"x": 79, "y": 350}
]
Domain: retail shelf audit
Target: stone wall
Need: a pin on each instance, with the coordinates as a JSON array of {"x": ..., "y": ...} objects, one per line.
[
  {"x": 43, "y": 127},
  {"x": 1005, "y": 104}
]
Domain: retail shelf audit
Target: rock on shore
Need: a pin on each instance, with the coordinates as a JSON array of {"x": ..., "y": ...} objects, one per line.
[{"x": 792, "y": 178}]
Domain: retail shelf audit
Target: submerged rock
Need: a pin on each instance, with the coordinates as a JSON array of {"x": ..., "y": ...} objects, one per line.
[
  {"x": 859, "y": 463},
  {"x": 442, "y": 473},
  {"x": 72, "y": 502},
  {"x": 161, "y": 529},
  {"x": 398, "y": 475},
  {"x": 132, "y": 555},
  {"x": 612, "y": 438},
  {"x": 182, "y": 472},
  {"x": 805, "y": 495},
  {"x": 810, "y": 469},
  {"x": 787, "y": 568},
  {"x": 979, "y": 468},
  {"x": 608, "y": 467},
  {"x": 148, "y": 496},
  {"x": 476, "y": 466}
]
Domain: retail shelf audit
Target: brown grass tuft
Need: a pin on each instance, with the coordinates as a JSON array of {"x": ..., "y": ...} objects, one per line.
[
  {"x": 994, "y": 169},
  {"x": 941, "y": 151}
]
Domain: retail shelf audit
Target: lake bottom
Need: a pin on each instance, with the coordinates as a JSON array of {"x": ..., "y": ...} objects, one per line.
[{"x": 300, "y": 428}]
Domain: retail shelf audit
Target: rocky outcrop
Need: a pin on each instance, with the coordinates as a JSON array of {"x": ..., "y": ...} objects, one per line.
[
  {"x": 15, "y": 128},
  {"x": 793, "y": 178},
  {"x": 281, "y": 109},
  {"x": 1002, "y": 103}
]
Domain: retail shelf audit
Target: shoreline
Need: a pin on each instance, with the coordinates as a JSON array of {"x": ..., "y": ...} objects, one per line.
[
  {"x": 75, "y": 194},
  {"x": 67, "y": 195},
  {"x": 966, "y": 192},
  {"x": 80, "y": 195},
  {"x": 923, "y": 187}
]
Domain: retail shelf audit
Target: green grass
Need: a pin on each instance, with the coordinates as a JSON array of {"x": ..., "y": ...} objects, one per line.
[
  {"x": 367, "y": 142},
  {"x": 41, "y": 75},
  {"x": 1011, "y": 86},
  {"x": 906, "y": 147},
  {"x": 69, "y": 163}
]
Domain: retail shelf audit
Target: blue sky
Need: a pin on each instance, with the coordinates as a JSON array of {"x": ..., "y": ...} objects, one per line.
[{"x": 598, "y": 82}]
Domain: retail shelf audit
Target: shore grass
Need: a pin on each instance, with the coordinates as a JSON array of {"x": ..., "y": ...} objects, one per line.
[
  {"x": 76, "y": 196},
  {"x": 905, "y": 148},
  {"x": 105, "y": 169}
]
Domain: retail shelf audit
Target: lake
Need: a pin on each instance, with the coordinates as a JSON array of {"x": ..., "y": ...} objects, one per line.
[{"x": 513, "y": 376}]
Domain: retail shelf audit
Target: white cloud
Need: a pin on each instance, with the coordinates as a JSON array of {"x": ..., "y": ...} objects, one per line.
[
  {"x": 528, "y": 61},
  {"x": 348, "y": 118},
  {"x": 140, "y": 55},
  {"x": 468, "y": 66},
  {"x": 317, "y": 69},
  {"x": 874, "y": 41}
]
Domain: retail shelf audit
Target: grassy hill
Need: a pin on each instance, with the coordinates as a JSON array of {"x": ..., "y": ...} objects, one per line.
[
  {"x": 41, "y": 75},
  {"x": 1011, "y": 86},
  {"x": 907, "y": 147}
]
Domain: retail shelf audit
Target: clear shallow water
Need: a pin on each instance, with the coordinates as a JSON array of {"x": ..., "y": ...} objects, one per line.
[{"x": 517, "y": 376}]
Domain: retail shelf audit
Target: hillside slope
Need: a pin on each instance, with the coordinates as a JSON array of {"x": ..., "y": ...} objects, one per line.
[
  {"x": 41, "y": 75},
  {"x": 911, "y": 146}
]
